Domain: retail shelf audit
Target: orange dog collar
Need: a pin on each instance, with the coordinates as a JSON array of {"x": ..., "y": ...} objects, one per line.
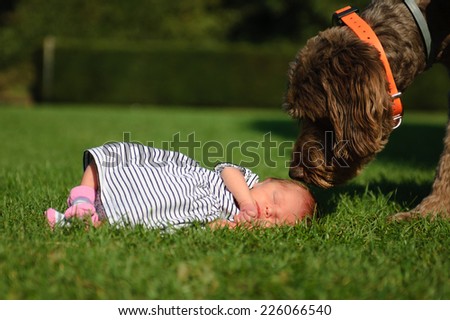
[{"x": 349, "y": 16}]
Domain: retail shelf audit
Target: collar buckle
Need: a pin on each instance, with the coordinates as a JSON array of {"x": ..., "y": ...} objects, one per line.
[
  {"x": 397, "y": 121},
  {"x": 338, "y": 15}
]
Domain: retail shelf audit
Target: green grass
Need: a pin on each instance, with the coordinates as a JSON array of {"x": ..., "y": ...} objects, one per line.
[{"x": 350, "y": 253}]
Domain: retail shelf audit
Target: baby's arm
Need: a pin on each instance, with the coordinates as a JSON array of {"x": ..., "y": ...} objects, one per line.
[{"x": 235, "y": 182}]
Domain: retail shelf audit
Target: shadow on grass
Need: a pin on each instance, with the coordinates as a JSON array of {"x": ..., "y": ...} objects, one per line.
[
  {"x": 406, "y": 194},
  {"x": 415, "y": 145}
]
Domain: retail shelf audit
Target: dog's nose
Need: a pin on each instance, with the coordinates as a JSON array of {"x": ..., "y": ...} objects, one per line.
[{"x": 296, "y": 173}]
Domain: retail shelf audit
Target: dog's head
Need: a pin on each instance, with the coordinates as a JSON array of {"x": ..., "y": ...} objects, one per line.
[{"x": 339, "y": 92}]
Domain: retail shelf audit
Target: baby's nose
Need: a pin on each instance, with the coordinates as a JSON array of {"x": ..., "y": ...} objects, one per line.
[{"x": 268, "y": 211}]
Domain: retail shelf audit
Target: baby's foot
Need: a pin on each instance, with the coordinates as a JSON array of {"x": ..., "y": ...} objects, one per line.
[
  {"x": 81, "y": 205},
  {"x": 83, "y": 210},
  {"x": 80, "y": 210},
  {"x": 54, "y": 218}
]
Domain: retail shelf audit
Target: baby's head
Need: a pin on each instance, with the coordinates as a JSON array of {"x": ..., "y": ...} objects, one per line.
[{"x": 282, "y": 202}]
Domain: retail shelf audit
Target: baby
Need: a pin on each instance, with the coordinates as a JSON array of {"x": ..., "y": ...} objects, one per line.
[{"x": 131, "y": 184}]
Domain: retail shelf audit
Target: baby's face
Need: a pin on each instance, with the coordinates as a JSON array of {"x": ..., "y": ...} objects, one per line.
[{"x": 281, "y": 203}]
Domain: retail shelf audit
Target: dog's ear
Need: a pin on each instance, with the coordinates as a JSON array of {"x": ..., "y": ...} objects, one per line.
[
  {"x": 304, "y": 96},
  {"x": 338, "y": 78},
  {"x": 359, "y": 105}
]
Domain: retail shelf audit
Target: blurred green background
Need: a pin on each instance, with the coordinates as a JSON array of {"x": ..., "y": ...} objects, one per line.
[{"x": 166, "y": 52}]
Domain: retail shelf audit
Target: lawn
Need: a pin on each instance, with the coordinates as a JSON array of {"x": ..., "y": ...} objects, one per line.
[{"x": 352, "y": 252}]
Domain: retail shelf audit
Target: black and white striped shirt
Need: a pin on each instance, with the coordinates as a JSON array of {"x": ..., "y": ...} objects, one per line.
[{"x": 159, "y": 188}]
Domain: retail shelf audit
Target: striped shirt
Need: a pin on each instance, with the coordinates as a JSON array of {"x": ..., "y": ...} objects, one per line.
[{"x": 139, "y": 185}]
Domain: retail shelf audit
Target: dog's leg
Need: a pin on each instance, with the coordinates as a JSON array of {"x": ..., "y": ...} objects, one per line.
[{"x": 438, "y": 202}]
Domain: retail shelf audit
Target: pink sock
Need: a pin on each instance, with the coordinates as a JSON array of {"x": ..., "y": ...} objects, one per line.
[
  {"x": 81, "y": 203},
  {"x": 81, "y": 194}
]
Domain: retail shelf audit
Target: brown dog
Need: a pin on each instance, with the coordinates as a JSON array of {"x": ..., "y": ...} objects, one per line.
[{"x": 339, "y": 90}]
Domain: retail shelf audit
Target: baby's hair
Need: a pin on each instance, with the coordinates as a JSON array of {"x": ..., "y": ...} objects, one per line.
[{"x": 290, "y": 182}]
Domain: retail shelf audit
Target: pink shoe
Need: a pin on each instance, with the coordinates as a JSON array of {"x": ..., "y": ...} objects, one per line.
[
  {"x": 80, "y": 210},
  {"x": 83, "y": 210},
  {"x": 81, "y": 204},
  {"x": 53, "y": 217}
]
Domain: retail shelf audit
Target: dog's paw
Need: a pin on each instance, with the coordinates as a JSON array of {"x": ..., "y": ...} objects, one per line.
[
  {"x": 404, "y": 216},
  {"x": 411, "y": 215}
]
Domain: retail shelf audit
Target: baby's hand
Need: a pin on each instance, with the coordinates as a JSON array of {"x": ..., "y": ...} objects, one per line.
[
  {"x": 248, "y": 212},
  {"x": 218, "y": 224}
]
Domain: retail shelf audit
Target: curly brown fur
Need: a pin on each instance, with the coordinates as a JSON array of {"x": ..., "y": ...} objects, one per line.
[
  {"x": 338, "y": 84},
  {"x": 338, "y": 89}
]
